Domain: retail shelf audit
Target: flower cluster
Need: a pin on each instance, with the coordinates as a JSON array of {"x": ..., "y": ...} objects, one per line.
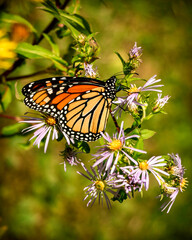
[{"x": 119, "y": 167}]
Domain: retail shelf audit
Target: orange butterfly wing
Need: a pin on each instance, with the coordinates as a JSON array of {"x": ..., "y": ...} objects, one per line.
[{"x": 81, "y": 105}]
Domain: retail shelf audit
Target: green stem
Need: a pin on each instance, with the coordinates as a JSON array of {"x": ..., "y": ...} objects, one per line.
[{"x": 144, "y": 113}]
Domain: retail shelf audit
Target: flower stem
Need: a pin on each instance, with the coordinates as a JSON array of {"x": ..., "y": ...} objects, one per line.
[
  {"x": 17, "y": 119},
  {"x": 115, "y": 121}
]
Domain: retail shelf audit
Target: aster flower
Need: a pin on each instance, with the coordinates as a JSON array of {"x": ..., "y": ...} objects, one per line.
[
  {"x": 131, "y": 107},
  {"x": 101, "y": 184},
  {"x": 110, "y": 152},
  {"x": 160, "y": 102},
  {"x": 142, "y": 169},
  {"x": 43, "y": 125},
  {"x": 135, "y": 52},
  {"x": 176, "y": 168},
  {"x": 172, "y": 192},
  {"x": 134, "y": 94},
  {"x": 129, "y": 182},
  {"x": 89, "y": 71},
  {"x": 69, "y": 156}
]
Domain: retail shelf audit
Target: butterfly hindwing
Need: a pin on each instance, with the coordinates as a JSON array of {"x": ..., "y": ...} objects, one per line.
[{"x": 85, "y": 117}]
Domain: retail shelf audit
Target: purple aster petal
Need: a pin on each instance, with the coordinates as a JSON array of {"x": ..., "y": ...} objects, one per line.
[
  {"x": 101, "y": 159},
  {"x": 133, "y": 160},
  {"x": 158, "y": 177},
  {"x": 161, "y": 171},
  {"x": 47, "y": 140},
  {"x": 109, "y": 161},
  {"x": 33, "y": 127},
  {"x": 121, "y": 130},
  {"x": 55, "y": 133},
  {"x": 135, "y": 149},
  {"x": 106, "y": 137},
  {"x": 115, "y": 163},
  {"x": 132, "y": 136},
  {"x": 86, "y": 170},
  {"x": 39, "y": 134}
]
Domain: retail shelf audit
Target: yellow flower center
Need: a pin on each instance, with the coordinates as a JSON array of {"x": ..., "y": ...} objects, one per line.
[
  {"x": 183, "y": 183},
  {"x": 100, "y": 185},
  {"x": 133, "y": 89},
  {"x": 116, "y": 144},
  {"x": 143, "y": 165},
  {"x": 50, "y": 121}
]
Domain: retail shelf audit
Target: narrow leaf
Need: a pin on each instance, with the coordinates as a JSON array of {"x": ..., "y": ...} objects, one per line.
[
  {"x": 33, "y": 51},
  {"x": 54, "y": 46},
  {"x": 76, "y": 23}
]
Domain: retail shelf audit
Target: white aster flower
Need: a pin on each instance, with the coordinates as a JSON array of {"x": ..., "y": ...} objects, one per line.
[
  {"x": 160, "y": 102},
  {"x": 89, "y": 71},
  {"x": 110, "y": 152},
  {"x": 142, "y": 169},
  {"x": 172, "y": 192},
  {"x": 101, "y": 184},
  {"x": 134, "y": 94},
  {"x": 135, "y": 52},
  {"x": 44, "y": 126},
  {"x": 176, "y": 168}
]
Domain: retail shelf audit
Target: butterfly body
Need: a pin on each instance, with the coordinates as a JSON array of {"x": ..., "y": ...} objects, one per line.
[{"x": 81, "y": 105}]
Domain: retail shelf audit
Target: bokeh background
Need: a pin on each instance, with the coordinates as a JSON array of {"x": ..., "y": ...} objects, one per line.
[{"x": 38, "y": 200}]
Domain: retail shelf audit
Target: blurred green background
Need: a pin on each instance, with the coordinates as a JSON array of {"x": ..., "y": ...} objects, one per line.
[{"x": 38, "y": 200}]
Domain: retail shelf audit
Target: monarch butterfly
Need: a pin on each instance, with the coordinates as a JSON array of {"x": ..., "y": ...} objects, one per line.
[{"x": 80, "y": 105}]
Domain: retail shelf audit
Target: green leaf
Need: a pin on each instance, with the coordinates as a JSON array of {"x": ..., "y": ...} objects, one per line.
[
  {"x": 54, "y": 46},
  {"x": 76, "y": 23},
  {"x": 122, "y": 60},
  {"x": 132, "y": 130},
  {"x": 10, "y": 18},
  {"x": 13, "y": 129},
  {"x": 146, "y": 133},
  {"x": 33, "y": 51},
  {"x": 139, "y": 145},
  {"x": 5, "y": 97},
  {"x": 82, "y": 146},
  {"x": 50, "y": 6},
  {"x": 126, "y": 65}
]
